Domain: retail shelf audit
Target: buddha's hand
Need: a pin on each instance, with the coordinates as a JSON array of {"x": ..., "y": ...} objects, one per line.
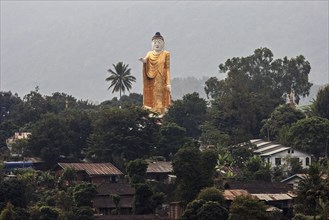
[
  {"x": 168, "y": 88},
  {"x": 142, "y": 60}
]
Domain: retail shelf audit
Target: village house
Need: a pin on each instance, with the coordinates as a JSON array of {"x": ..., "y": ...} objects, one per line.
[
  {"x": 159, "y": 171},
  {"x": 294, "y": 180},
  {"x": 95, "y": 173},
  {"x": 104, "y": 202},
  {"x": 279, "y": 196},
  {"x": 278, "y": 155}
]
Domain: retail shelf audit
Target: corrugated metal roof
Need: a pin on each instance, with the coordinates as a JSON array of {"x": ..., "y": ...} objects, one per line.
[
  {"x": 159, "y": 167},
  {"x": 230, "y": 194},
  {"x": 256, "y": 187},
  {"x": 266, "y": 148},
  {"x": 253, "y": 141},
  {"x": 93, "y": 168},
  {"x": 273, "y": 197},
  {"x": 275, "y": 151},
  {"x": 262, "y": 144}
]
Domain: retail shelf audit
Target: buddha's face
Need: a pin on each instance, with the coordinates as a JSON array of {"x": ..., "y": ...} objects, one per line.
[{"x": 157, "y": 45}]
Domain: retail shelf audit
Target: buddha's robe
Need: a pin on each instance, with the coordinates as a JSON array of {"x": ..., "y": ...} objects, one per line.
[{"x": 156, "y": 76}]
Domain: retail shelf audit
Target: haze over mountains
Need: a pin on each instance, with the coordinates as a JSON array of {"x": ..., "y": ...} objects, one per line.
[{"x": 68, "y": 46}]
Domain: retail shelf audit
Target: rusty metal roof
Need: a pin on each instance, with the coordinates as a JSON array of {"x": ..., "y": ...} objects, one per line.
[
  {"x": 93, "y": 168},
  {"x": 230, "y": 194},
  {"x": 259, "y": 187},
  {"x": 159, "y": 167},
  {"x": 273, "y": 197}
]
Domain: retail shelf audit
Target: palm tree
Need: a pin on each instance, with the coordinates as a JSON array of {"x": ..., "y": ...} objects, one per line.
[
  {"x": 313, "y": 191},
  {"x": 121, "y": 78}
]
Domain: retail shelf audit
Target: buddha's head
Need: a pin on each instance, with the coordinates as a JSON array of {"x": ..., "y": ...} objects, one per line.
[{"x": 157, "y": 42}]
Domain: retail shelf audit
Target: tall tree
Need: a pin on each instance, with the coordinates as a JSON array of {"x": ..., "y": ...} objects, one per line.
[
  {"x": 189, "y": 113},
  {"x": 283, "y": 115},
  {"x": 120, "y": 78},
  {"x": 122, "y": 134},
  {"x": 246, "y": 207},
  {"x": 171, "y": 138},
  {"x": 321, "y": 103},
  {"x": 194, "y": 171},
  {"x": 254, "y": 86},
  {"x": 310, "y": 135},
  {"x": 313, "y": 190}
]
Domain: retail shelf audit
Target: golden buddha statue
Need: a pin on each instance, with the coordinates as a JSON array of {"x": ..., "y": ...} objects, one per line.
[{"x": 156, "y": 77}]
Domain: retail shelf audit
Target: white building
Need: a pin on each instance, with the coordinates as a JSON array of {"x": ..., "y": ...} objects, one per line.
[
  {"x": 17, "y": 136},
  {"x": 277, "y": 154}
]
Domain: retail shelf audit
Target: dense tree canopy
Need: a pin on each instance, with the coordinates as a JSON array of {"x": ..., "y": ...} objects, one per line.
[
  {"x": 321, "y": 103},
  {"x": 283, "y": 115},
  {"x": 56, "y": 135},
  {"x": 310, "y": 135},
  {"x": 313, "y": 191},
  {"x": 194, "y": 171},
  {"x": 136, "y": 170},
  {"x": 254, "y": 86},
  {"x": 246, "y": 207},
  {"x": 122, "y": 134},
  {"x": 188, "y": 113}
]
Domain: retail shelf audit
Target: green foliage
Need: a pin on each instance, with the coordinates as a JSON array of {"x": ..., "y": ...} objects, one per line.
[
  {"x": 283, "y": 115},
  {"x": 48, "y": 213},
  {"x": 245, "y": 207},
  {"x": 205, "y": 210},
  {"x": 83, "y": 194},
  {"x": 120, "y": 78},
  {"x": 143, "y": 203},
  {"x": 122, "y": 134},
  {"x": 300, "y": 216},
  {"x": 313, "y": 190},
  {"x": 194, "y": 171},
  {"x": 241, "y": 153},
  {"x": 192, "y": 209},
  {"x": 189, "y": 113},
  {"x": 64, "y": 200},
  {"x": 254, "y": 86},
  {"x": 68, "y": 175},
  {"x": 13, "y": 191},
  {"x": 146, "y": 199},
  {"x": 172, "y": 137},
  {"x": 310, "y": 135},
  {"x": 7, "y": 213},
  {"x": 208, "y": 161},
  {"x": 116, "y": 199},
  {"x": 21, "y": 214},
  {"x": 84, "y": 213},
  {"x": 212, "y": 136},
  {"x": 136, "y": 170},
  {"x": 62, "y": 134},
  {"x": 133, "y": 99},
  {"x": 255, "y": 169},
  {"x": 321, "y": 103},
  {"x": 211, "y": 194},
  {"x": 212, "y": 211}
]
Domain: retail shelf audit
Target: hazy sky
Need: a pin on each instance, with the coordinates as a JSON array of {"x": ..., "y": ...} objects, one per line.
[{"x": 68, "y": 46}]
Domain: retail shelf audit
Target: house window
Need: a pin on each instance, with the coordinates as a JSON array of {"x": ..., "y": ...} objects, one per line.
[
  {"x": 288, "y": 151},
  {"x": 307, "y": 161},
  {"x": 268, "y": 160},
  {"x": 277, "y": 161},
  {"x": 292, "y": 151}
]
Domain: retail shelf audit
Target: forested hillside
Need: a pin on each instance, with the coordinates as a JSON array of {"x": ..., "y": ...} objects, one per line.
[{"x": 256, "y": 100}]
